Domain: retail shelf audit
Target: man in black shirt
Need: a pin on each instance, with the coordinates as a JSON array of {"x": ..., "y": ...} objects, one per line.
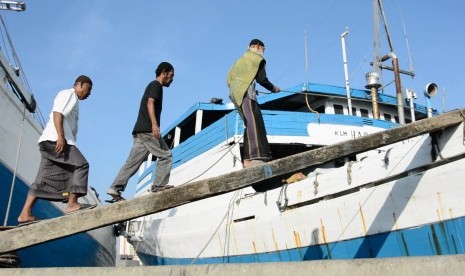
[{"x": 147, "y": 138}]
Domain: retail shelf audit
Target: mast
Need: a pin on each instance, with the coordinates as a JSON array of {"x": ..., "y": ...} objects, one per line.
[{"x": 372, "y": 76}]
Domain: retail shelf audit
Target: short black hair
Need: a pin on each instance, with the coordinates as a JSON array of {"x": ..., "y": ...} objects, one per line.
[
  {"x": 163, "y": 66},
  {"x": 256, "y": 41},
  {"x": 83, "y": 79}
]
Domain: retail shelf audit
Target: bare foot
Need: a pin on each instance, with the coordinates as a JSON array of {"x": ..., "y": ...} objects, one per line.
[
  {"x": 22, "y": 219},
  {"x": 117, "y": 198},
  {"x": 72, "y": 207}
]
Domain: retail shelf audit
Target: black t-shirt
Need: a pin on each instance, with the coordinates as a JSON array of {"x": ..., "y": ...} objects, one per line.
[{"x": 143, "y": 124}]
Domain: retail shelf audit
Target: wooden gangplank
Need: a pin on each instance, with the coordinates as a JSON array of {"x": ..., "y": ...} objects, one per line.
[{"x": 55, "y": 228}]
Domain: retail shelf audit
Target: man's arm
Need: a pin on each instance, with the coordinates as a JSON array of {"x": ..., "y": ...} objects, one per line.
[
  {"x": 153, "y": 119},
  {"x": 262, "y": 79},
  {"x": 61, "y": 141}
]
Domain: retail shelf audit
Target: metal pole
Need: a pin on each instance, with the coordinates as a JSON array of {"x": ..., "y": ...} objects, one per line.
[
  {"x": 411, "y": 96},
  {"x": 346, "y": 73}
]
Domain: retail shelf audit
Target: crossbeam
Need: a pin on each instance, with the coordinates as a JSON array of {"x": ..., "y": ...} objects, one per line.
[{"x": 56, "y": 228}]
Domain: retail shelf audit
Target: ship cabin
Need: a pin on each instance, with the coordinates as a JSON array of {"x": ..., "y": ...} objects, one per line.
[{"x": 288, "y": 113}]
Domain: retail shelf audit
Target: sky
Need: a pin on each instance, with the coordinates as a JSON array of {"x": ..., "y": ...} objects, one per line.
[{"x": 120, "y": 43}]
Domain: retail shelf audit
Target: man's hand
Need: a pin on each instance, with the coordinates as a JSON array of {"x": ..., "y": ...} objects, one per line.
[
  {"x": 61, "y": 141},
  {"x": 276, "y": 89},
  {"x": 151, "y": 110},
  {"x": 60, "y": 146},
  {"x": 156, "y": 131}
]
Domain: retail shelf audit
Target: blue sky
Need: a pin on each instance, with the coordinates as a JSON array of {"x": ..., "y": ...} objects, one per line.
[{"x": 119, "y": 44}]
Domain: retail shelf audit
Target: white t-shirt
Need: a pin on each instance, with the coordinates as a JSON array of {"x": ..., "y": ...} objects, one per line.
[{"x": 66, "y": 103}]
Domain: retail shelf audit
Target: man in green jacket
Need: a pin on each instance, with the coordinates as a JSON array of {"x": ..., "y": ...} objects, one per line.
[{"x": 242, "y": 78}]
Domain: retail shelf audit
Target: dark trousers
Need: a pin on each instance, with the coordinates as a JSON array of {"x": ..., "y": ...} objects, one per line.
[{"x": 256, "y": 145}]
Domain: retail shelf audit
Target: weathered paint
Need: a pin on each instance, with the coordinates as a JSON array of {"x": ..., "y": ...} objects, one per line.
[
  {"x": 364, "y": 226},
  {"x": 394, "y": 244}
]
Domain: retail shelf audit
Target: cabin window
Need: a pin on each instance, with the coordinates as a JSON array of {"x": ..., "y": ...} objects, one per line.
[
  {"x": 364, "y": 112},
  {"x": 211, "y": 116},
  {"x": 354, "y": 111},
  {"x": 387, "y": 117},
  {"x": 338, "y": 109},
  {"x": 396, "y": 118},
  {"x": 187, "y": 129}
]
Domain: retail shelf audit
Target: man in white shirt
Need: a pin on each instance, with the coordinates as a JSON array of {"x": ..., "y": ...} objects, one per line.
[{"x": 63, "y": 172}]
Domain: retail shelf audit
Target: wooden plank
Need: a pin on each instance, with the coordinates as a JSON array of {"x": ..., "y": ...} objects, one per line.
[{"x": 47, "y": 230}]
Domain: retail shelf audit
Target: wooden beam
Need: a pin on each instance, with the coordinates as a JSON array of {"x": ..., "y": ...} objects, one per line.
[{"x": 55, "y": 228}]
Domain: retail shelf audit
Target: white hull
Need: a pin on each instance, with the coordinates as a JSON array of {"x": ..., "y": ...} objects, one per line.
[{"x": 351, "y": 211}]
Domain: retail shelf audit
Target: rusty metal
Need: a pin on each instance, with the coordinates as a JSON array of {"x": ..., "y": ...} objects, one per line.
[
  {"x": 399, "y": 96},
  {"x": 373, "y": 84},
  {"x": 374, "y": 100},
  {"x": 363, "y": 219}
]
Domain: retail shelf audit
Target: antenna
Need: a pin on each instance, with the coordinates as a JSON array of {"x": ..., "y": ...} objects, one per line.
[
  {"x": 406, "y": 41},
  {"x": 304, "y": 88}
]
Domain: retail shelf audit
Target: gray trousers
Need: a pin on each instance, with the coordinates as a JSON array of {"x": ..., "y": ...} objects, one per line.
[
  {"x": 60, "y": 174},
  {"x": 143, "y": 145}
]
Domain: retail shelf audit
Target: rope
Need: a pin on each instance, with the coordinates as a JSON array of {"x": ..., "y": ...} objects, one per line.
[
  {"x": 302, "y": 93},
  {"x": 38, "y": 114},
  {"x": 332, "y": 96},
  {"x": 7, "y": 214},
  {"x": 228, "y": 150},
  {"x": 226, "y": 215}
]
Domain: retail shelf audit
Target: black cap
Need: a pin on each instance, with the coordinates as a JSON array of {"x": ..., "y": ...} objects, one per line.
[
  {"x": 256, "y": 41},
  {"x": 164, "y": 66}
]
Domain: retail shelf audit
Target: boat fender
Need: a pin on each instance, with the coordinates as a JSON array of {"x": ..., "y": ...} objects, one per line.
[
  {"x": 435, "y": 150},
  {"x": 316, "y": 184},
  {"x": 283, "y": 192},
  {"x": 386, "y": 157},
  {"x": 349, "y": 172}
]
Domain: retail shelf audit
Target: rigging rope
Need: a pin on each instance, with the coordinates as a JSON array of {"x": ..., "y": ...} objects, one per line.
[
  {"x": 330, "y": 96},
  {"x": 7, "y": 214},
  {"x": 228, "y": 214},
  {"x": 228, "y": 150},
  {"x": 38, "y": 113}
]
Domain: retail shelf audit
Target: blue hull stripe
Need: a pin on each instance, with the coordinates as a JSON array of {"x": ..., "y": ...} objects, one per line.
[
  {"x": 443, "y": 238},
  {"x": 77, "y": 250}
]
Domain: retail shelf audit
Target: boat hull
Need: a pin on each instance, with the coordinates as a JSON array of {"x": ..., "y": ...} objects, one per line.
[
  {"x": 398, "y": 200},
  {"x": 440, "y": 239}
]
